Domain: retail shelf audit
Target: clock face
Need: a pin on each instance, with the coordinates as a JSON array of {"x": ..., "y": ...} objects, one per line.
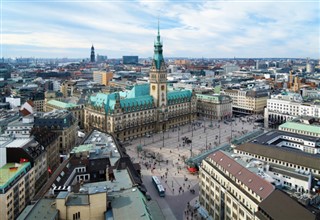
[
  {"x": 162, "y": 88},
  {"x": 153, "y": 87}
]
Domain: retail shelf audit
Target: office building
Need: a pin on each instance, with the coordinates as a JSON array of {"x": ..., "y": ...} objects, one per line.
[
  {"x": 214, "y": 106},
  {"x": 287, "y": 106},
  {"x": 248, "y": 101},
  {"x": 130, "y": 59},
  {"x": 102, "y": 77}
]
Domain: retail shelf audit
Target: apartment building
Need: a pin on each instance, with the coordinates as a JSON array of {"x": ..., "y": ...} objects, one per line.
[
  {"x": 248, "y": 101},
  {"x": 61, "y": 122},
  {"x": 214, "y": 106},
  {"x": 17, "y": 184}
]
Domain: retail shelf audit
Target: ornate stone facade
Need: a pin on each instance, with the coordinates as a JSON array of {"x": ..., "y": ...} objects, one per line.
[{"x": 145, "y": 109}]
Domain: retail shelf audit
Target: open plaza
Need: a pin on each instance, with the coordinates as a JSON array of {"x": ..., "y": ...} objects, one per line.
[{"x": 164, "y": 155}]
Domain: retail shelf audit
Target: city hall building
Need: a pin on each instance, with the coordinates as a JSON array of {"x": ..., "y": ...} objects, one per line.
[{"x": 146, "y": 108}]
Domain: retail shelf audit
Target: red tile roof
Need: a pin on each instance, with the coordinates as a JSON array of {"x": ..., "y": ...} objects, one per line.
[
  {"x": 30, "y": 102},
  {"x": 25, "y": 112},
  {"x": 254, "y": 182}
]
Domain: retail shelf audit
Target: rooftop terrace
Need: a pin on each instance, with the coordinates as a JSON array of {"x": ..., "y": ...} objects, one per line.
[{"x": 11, "y": 172}]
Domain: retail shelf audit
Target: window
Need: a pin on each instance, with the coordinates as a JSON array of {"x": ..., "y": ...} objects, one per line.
[{"x": 76, "y": 216}]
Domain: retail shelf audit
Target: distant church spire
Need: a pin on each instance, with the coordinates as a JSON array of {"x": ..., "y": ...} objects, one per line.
[{"x": 92, "y": 56}]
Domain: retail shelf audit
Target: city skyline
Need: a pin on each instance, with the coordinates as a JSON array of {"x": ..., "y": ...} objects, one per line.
[{"x": 197, "y": 29}]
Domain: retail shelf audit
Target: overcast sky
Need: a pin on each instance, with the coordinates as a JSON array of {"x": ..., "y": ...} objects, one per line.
[{"x": 57, "y": 28}]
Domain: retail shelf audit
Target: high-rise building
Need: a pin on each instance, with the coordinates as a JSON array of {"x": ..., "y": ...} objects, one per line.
[
  {"x": 130, "y": 59},
  {"x": 92, "y": 56}
]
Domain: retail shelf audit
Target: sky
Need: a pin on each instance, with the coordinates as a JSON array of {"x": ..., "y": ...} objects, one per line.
[{"x": 209, "y": 29}]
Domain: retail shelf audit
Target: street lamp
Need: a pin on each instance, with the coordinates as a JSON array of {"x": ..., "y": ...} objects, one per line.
[
  {"x": 219, "y": 133},
  {"x": 231, "y": 131},
  {"x": 206, "y": 141},
  {"x": 179, "y": 134},
  {"x": 192, "y": 129},
  {"x": 162, "y": 139}
]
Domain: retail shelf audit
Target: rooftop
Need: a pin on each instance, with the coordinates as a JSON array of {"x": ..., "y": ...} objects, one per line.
[
  {"x": 53, "y": 114},
  {"x": 253, "y": 181},
  {"x": 99, "y": 145},
  {"x": 278, "y": 205},
  {"x": 272, "y": 136},
  {"x": 213, "y": 97},
  {"x": 77, "y": 199},
  {"x": 60, "y": 104},
  {"x": 130, "y": 204},
  {"x": 19, "y": 142},
  {"x": 11, "y": 171},
  {"x": 300, "y": 126},
  {"x": 289, "y": 155},
  {"x": 43, "y": 209}
]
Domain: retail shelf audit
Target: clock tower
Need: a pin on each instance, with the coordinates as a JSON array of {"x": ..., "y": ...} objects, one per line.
[{"x": 158, "y": 75}]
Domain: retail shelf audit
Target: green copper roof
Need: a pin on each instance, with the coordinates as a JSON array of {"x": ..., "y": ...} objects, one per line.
[
  {"x": 175, "y": 96},
  {"x": 104, "y": 100},
  {"x": 138, "y": 98},
  {"x": 158, "y": 57},
  {"x": 139, "y": 90},
  {"x": 61, "y": 104},
  {"x": 300, "y": 126},
  {"x": 136, "y": 102}
]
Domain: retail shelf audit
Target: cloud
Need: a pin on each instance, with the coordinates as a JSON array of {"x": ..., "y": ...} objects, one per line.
[{"x": 188, "y": 28}]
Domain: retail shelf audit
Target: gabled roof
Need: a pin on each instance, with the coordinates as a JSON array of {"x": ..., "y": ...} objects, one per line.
[{"x": 254, "y": 182}]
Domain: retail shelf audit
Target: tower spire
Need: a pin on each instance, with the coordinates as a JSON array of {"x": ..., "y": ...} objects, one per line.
[
  {"x": 158, "y": 27},
  {"x": 158, "y": 36}
]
